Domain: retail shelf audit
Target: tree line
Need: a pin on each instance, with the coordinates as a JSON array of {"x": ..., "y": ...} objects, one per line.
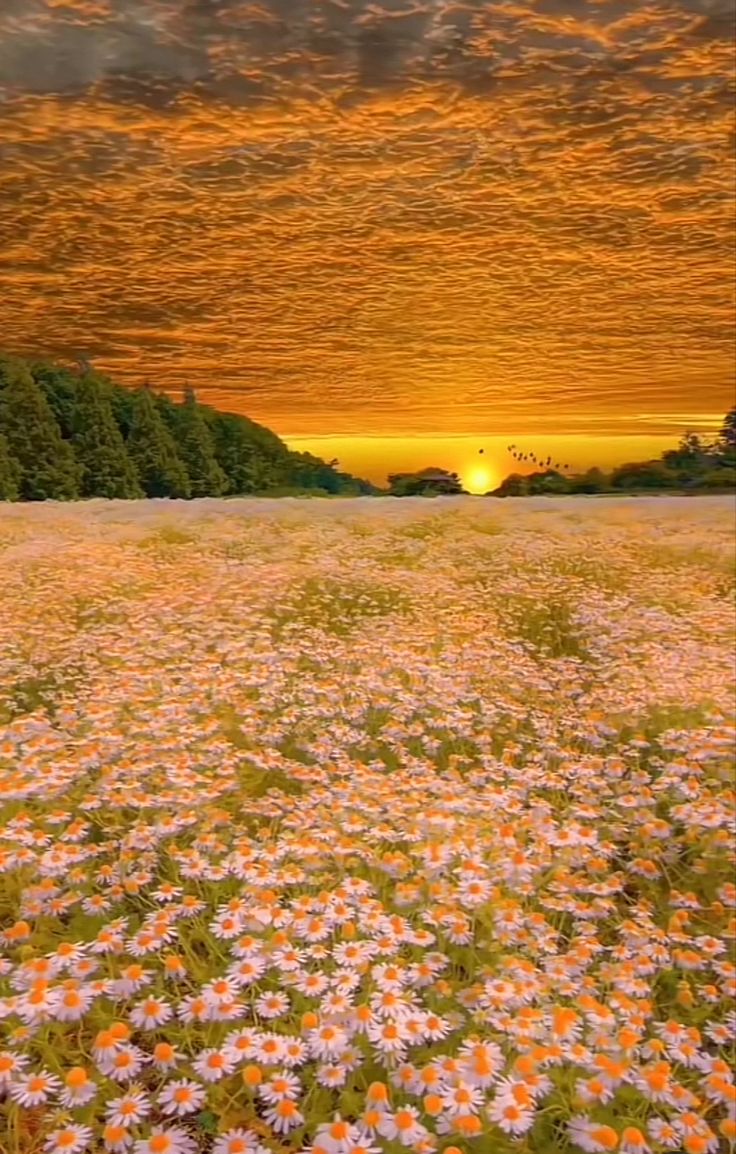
[
  {"x": 696, "y": 465},
  {"x": 426, "y": 482},
  {"x": 67, "y": 434}
]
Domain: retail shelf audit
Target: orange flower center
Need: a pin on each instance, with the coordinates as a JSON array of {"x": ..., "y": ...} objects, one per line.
[{"x": 159, "y": 1144}]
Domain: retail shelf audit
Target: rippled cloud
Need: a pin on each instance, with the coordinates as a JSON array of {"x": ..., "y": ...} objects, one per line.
[{"x": 411, "y": 215}]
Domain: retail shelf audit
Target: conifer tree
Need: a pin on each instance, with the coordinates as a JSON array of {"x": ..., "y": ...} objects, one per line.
[
  {"x": 151, "y": 448},
  {"x": 122, "y": 403},
  {"x": 107, "y": 470},
  {"x": 72, "y": 432},
  {"x": 197, "y": 450},
  {"x": 9, "y": 473},
  {"x": 235, "y": 452},
  {"x": 170, "y": 413},
  {"x": 59, "y": 386},
  {"x": 726, "y": 443},
  {"x": 48, "y": 470}
]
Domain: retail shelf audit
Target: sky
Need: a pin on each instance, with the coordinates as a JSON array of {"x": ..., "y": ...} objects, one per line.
[{"x": 403, "y": 227}]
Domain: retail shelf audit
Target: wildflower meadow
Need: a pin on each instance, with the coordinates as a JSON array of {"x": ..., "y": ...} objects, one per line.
[{"x": 367, "y": 826}]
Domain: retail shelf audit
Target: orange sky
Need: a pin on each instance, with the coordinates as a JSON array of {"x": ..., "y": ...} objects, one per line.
[
  {"x": 374, "y": 457},
  {"x": 412, "y": 218}
]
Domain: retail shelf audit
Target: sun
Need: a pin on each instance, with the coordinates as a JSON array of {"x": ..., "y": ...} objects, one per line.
[{"x": 478, "y": 479}]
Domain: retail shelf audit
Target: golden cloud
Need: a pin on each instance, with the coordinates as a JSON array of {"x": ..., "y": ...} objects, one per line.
[{"x": 342, "y": 216}]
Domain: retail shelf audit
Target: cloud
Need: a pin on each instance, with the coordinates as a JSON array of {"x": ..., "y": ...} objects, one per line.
[{"x": 360, "y": 214}]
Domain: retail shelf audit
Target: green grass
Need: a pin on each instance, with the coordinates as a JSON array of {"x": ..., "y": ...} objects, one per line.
[
  {"x": 337, "y": 608},
  {"x": 548, "y": 628}
]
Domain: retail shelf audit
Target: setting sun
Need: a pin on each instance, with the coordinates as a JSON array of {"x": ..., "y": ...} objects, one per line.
[{"x": 478, "y": 479}]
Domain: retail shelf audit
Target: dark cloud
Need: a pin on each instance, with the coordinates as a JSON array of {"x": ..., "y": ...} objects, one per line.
[{"x": 70, "y": 45}]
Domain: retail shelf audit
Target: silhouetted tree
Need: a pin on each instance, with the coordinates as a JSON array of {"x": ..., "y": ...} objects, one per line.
[
  {"x": 691, "y": 458},
  {"x": 723, "y": 478},
  {"x": 726, "y": 444},
  {"x": 547, "y": 481},
  {"x": 727, "y": 434},
  {"x": 512, "y": 486},
  {"x": 424, "y": 482},
  {"x": 644, "y": 475},
  {"x": 592, "y": 481}
]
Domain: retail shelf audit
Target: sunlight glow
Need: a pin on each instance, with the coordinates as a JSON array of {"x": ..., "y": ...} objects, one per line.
[{"x": 479, "y": 479}]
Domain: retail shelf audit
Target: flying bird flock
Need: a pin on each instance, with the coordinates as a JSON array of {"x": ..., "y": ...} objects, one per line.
[{"x": 533, "y": 459}]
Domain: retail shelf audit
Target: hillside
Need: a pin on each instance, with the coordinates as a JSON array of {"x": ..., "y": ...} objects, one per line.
[{"x": 67, "y": 434}]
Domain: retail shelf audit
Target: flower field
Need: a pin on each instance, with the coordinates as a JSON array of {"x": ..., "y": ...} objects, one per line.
[{"x": 364, "y": 827}]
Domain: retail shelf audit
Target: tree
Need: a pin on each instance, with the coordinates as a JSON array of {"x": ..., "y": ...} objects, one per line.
[
  {"x": 512, "y": 486},
  {"x": 309, "y": 472},
  {"x": 271, "y": 470},
  {"x": 644, "y": 475},
  {"x": 197, "y": 451},
  {"x": 234, "y": 452},
  {"x": 268, "y": 462},
  {"x": 107, "y": 470},
  {"x": 549, "y": 482},
  {"x": 169, "y": 411},
  {"x": 592, "y": 481},
  {"x": 123, "y": 405},
  {"x": 10, "y": 473},
  {"x": 725, "y": 446},
  {"x": 402, "y": 484},
  {"x": 424, "y": 482},
  {"x": 690, "y": 459},
  {"x": 727, "y": 434},
  {"x": 721, "y": 478},
  {"x": 59, "y": 386},
  {"x": 48, "y": 470},
  {"x": 107, "y": 439},
  {"x": 153, "y": 452}
]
